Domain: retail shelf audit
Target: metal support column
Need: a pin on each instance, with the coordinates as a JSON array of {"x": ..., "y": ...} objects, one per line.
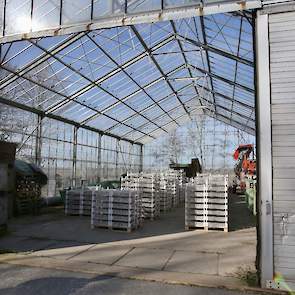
[
  {"x": 74, "y": 171},
  {"x": 38, "y": 147},
  {"x": 117, "y": 158},
  {"x": 264, "y": 152},
  {"x": 99, "y": 172},
  {"x": 141, "y": 159}
]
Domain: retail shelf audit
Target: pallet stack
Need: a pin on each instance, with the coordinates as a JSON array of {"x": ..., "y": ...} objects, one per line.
[
  {"x": 175, "y": 180},
  {"x": 196, "y": 204},
  {"x": 149, "y": 190},
  {"x": 206, "y": 203},
  {"x": 130, "y": 181},
  {"x": 28, "y": 195},
  {"x": 116, "y": 209},
  {"x": 78, "y": 202},
  {"x": 218, "y": 202},
  {"x": 181, "y": 181},
  {"x": 164, "y": 194}
]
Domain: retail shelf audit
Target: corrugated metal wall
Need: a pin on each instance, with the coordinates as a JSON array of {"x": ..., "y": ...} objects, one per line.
[{"x": 282, "y": 68}]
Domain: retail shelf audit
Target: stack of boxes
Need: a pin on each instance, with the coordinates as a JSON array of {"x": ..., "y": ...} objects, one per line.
[
  {"x": 149, "y": 190},
  {"x": 175, "y": 180},
  {"x": 196, "y": 204},
  {"x": 28, "y": 195},
  {"x": 206, "y": 203},
  {"x": 78, "y": 202},
  {"x": 115, "y": 209},
  {"x": 218, "y": 202},
  {"x": 130, "y": 181},
  {"x": 164, "y": 195}
]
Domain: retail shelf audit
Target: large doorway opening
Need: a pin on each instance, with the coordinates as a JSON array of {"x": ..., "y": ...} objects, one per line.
[{"x": 90, "y": 106}]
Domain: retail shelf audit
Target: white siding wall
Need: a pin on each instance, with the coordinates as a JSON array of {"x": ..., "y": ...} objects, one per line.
[{"x": 282, "y": 68}]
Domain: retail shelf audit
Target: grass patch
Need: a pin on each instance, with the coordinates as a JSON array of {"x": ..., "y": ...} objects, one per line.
[{"x": 248, "y": 275}]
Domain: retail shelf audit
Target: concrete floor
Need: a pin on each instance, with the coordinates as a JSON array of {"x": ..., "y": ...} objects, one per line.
[{"x": 160, "y": 251}]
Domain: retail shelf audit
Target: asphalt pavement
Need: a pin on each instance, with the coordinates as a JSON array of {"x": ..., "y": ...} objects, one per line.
[{"x": 18, "y": 280}]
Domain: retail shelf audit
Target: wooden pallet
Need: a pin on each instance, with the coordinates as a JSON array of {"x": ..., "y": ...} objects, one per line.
[
  {"x": 206, "y": 228},
  {"x": 121, "y": 229}
]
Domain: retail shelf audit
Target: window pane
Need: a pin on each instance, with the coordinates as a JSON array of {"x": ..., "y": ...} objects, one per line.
[
  {"x": 18, "y": 16},
  {"x": 77, "y": 11},
  {"x": 103, "y": 8},
  {"x": 178, "y": 3},
  {"x": 46, "y": 14},
  {"x": 143, "y": 5}
]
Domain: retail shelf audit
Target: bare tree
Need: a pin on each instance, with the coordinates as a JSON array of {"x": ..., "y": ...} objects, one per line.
[
  {"x": 197, "y": 132},
  {"x": 173, "y": 147}
]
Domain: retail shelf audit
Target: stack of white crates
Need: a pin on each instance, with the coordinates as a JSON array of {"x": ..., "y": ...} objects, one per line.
[
  {"x": 196, "y": 204},
  {"x": 164, "y": 194},
  {"x": 217, "y": 202},
  {"x": 206, "y": 203},
  {"x": 116, "y": 209},
  {"x": 78, "y": 202},
  {"x": 130, "y": 181},
  {"x": 181, "y": 181},
  {"x": 175, "y": 179},
  {"x": 159, "y": 192},
  {"x": 149, "y": 190}
]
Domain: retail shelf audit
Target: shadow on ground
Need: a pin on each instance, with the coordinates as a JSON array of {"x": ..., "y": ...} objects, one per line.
[
  {"x": 52, "y": 229},
  {"x": 239, "y": 216},
  {"x": 31, "y": 281}
]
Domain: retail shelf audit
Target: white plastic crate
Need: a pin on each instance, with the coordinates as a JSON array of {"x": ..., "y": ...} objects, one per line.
[
  {"x": 116, "y": 209},
  {"x": 206, "y": 203}
]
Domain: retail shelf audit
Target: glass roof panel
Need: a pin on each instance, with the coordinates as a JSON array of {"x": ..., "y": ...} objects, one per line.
[{"x": 138, "y": 79}]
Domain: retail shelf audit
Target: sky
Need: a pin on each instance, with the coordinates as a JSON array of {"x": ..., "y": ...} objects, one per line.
[{"x": 218, "y": 144}]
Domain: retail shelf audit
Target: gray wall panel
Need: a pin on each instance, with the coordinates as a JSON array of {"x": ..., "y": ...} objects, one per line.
[{"x": 282, "y": 67}]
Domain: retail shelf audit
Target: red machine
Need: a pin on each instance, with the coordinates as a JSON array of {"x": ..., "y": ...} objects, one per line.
[{"x": 246, "y": 164}]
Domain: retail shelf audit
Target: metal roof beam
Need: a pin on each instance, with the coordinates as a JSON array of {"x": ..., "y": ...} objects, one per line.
[
  {"x": 183, "y": 55},
  {"x": 207, "y": 55},
  {"x": 228, "y": 98},
  {"x": 41, "y": 59},
  {"x": 161, "y": 115},
  {"x": 90, "y": 81},
  {"x": 152, "y": 105},
  {"x": 232, "y": 123},
  {"x": 236, "y": 63},
  {"x": 157, "y": 65},
  {"x": 27, "y": 108},
  {"x": 63, "y": 95},
  {"x": 210, "y": 48},
  {"x": 108, "y": 75},
  {"x": 179, "y": 93},
  {"x": 194, "y": 97},
  {"x": 179, "y": 117},
  {"x": 142, "y": 88},
  {"x": 129, "y": 18},
  {"x": 225, "y": 80},
  {"x": 229, "y": 110},
  {"x": 131, "y": 78}
]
